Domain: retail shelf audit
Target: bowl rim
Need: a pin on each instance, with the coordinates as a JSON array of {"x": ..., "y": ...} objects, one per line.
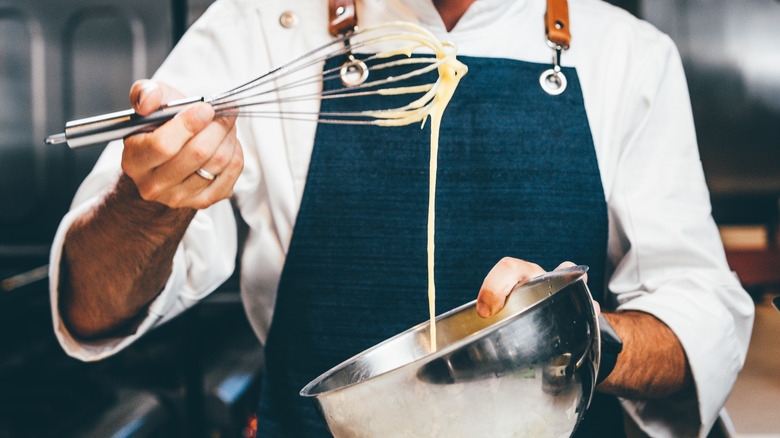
[{"x": 580, "y": 270}]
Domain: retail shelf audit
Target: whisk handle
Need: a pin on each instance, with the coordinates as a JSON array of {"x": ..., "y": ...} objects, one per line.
[{"x": 120, "y": 124}]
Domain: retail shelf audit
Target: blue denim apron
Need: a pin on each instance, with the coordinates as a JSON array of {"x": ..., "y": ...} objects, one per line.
[{"x": 517, "y": 177}]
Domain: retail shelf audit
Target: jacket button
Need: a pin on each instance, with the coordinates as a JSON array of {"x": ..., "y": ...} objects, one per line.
[{"x": 288, "y": 19}]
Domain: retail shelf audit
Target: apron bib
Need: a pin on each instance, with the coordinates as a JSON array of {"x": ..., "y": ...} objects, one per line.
[{"x": 517, "y": 177}]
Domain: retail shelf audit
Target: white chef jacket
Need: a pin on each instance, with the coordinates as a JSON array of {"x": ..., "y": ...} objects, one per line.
[{"x": 664, "y": 252}]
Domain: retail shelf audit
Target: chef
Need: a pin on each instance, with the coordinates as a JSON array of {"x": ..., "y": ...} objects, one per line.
[{"x": 548, "y": 155}]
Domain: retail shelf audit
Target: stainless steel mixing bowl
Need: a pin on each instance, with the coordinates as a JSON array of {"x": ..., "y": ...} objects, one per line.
[{"x": 529, "y": 371}]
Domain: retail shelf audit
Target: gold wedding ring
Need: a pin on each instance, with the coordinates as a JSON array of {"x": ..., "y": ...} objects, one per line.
[{"x": 205, "y": 174}]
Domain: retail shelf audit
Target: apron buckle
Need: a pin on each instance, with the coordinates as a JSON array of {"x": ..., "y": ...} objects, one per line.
[{"x": 553, "y": 81}]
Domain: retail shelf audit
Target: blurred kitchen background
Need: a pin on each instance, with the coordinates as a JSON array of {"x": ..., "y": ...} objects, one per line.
[{"x": 198, "y": 376}]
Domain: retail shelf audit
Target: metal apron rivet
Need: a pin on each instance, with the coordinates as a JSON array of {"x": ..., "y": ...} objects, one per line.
[
  {"x": 553, "y": 82},
  {"x": 354, "y": 71}
]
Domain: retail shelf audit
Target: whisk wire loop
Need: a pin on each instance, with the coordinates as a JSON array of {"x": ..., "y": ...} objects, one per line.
[
  {"x": 283, "y": 85},
  {"x": 403, "y": 66}
]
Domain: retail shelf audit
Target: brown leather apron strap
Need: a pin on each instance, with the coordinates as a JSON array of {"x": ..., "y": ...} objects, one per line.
[
  {"x": 342, "y": 16},
  {"x": 556, "y": 23},
  {"x": 556, "y": 26}
]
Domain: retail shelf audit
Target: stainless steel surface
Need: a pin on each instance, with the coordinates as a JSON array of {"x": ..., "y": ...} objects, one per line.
[
  {"x": 528, "y": 371},
  {"x": 112, "y": 126},
  {"x": 299, "y": 80},
  {"x": 731, "y": 53},
  {"x": 140, "y": 414},
  {"x": 60, "y": 61},
  {"x": 56, "y": 139},
  {"x": 25, "y": 278}
]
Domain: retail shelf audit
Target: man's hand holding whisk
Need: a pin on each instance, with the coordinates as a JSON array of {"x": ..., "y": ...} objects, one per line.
[
  {"x": 191, "y": 161},
  {"x": 138, "y": 226}
]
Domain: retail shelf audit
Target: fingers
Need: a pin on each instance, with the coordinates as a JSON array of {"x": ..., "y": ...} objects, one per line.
[
  {"x": 147, "y": 96},
  {"x": 505, "y": 275},
  {"x": 149, "y": 150},
  {"x": 163, "y": 163},
  {"x": 565, "y": 265},
  {"x": 597, "y": 308},
  {"x": 197, "y": 192},
  {"x": 500, "y": 281},
  {"x": 194, "y": 190},
  {"x": 205, "y": 150}
]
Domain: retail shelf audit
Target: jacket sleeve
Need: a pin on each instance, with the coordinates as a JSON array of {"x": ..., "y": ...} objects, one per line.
[
  {"x": 206, "y": 256},
  {"x": 203, "y": 260},
  {"x": 666, "y": 252}
]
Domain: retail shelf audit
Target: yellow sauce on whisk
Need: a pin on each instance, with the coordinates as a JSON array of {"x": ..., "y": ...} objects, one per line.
[{"x": 432, "y": 104}]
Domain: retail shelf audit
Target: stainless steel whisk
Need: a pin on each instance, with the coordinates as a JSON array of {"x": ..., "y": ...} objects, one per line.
[{"x": 388, "y": 47}]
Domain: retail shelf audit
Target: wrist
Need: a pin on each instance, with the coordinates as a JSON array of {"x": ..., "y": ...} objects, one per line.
[
  {"x": 611, "y": 347},
  {"x": 652, "y": 363},
  {"x": 128, "y": 205}
]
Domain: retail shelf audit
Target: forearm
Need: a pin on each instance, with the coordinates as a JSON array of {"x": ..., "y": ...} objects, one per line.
[
  {"x": 116, "y": 260},
  {"x": 652, "y": 364}
]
